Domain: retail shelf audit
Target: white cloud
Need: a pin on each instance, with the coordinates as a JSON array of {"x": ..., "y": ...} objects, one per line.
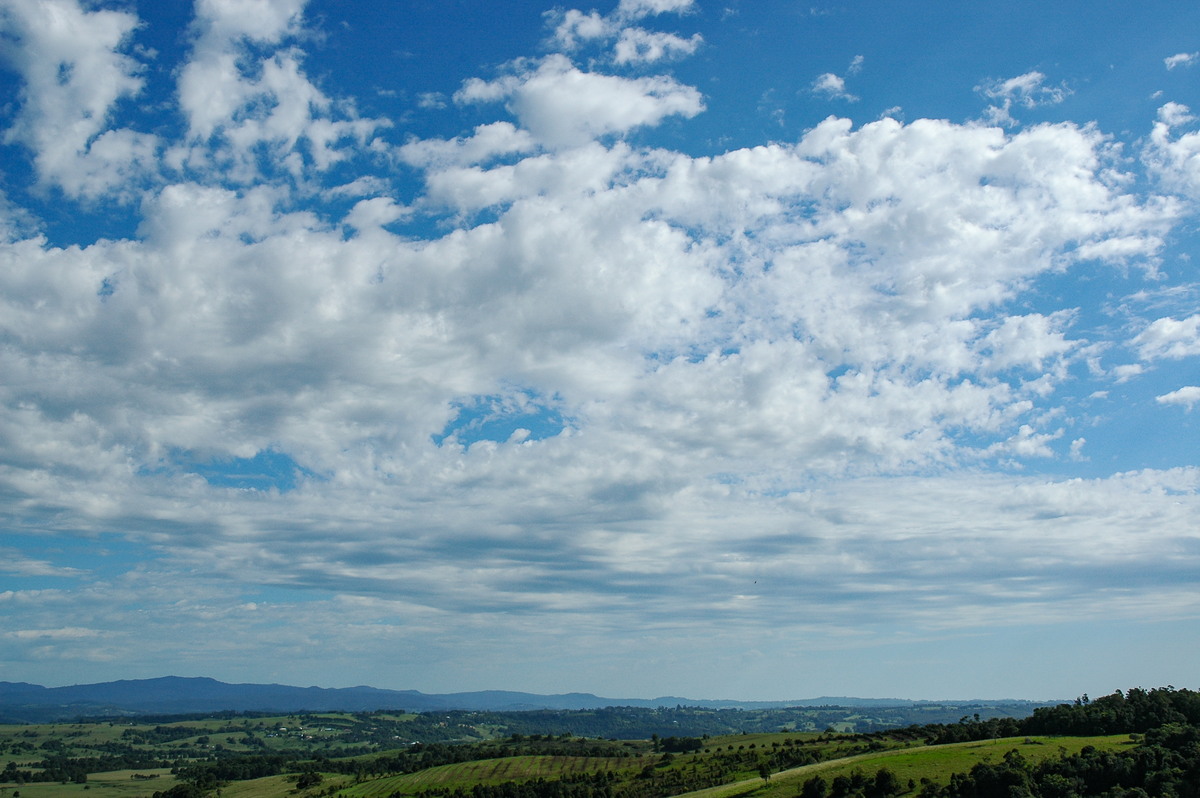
[
  {"x": 575, "y": 26},
  {"x": 1025, "y": 91},
  {"x": 487, "y": 142},
  {"x": 18, "y": 564},
  {"x": 359, "y": 187},
  {"x": 1174, "y": 114},
  {"x": 867, "y": 555},
  {"x": 1169, "y": 338},
  {"x": 235, "y": 101},
  {"x": 376, "y": 212},
  {"x": 633, "y": 44},
  {"x": 1181, "y": 59},
  {"x": 74, "y": 75},
  {"x": 641, "y": 46},
  {"x": 636, "y": 9},
  {"x": 1187, "y": 396},
  {"x": 832, "y": 86},
  {"x": 1174, "y": 157},
  {"x": 469, "y": 188},
  {"x": 773, "y": 365},
  {"x": 1029, "y": 443},
  {"x": 266, "y": 21},
  {"x": 563, "y": 106},
  {"x": 431, "y": 99},
  {"x": 1126, "y": 372},
  {"x": 61, "y": 633},
  {"x": 587, "y": 288},
  {"x": 1028, "y": 342}
]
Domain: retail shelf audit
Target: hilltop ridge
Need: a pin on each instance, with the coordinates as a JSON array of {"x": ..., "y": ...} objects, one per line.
[{"x": 182, "y": 695}]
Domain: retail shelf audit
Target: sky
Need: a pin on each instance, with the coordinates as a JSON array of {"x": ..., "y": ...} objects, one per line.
[{"x": 706, "y": 348}]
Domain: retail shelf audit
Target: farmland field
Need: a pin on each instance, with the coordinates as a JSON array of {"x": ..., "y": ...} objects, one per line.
[
  {"x": 112, "y": 784},
  {"x": 934, "y": 763},
  {"x": 487, "y": 771},
  {"x": 376, "y": 755}
]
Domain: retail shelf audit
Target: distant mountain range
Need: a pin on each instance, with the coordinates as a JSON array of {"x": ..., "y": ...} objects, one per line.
[{"x": 21, "y": 702}]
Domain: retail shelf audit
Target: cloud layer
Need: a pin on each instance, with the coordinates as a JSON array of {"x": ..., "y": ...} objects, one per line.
[{"x": 574, "y": 386}]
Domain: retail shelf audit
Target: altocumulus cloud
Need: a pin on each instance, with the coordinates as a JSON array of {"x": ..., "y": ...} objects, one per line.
[{"x": 575, "y": 400}]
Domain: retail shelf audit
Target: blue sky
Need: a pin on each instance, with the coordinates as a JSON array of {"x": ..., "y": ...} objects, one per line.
[{"x": 754, "y": 350}]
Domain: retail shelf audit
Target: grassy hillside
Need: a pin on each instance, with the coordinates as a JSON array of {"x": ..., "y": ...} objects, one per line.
[
  {"x": 464, "y": 775},
  {"x": 371, "y": 756},
  {"x": 917, "y": 764},
  {"x": 110, "y": 784},
  {"x": 920, "y": 765}
]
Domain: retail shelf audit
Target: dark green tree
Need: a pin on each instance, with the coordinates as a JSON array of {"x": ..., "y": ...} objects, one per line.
[{"x": 815, "y": 787}]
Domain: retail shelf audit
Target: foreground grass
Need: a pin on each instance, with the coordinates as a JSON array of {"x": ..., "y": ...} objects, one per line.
[
  {"x": 275, "y": 787},
  {"x": 459, "y": 775},
  {"x": 910, "y": 764},
  {"x": 486, "y": 771},
  {"x": 934, "y": 763}
]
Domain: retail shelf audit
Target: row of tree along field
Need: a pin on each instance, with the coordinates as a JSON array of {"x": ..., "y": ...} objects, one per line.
[{"x": 1139, "y": 742}]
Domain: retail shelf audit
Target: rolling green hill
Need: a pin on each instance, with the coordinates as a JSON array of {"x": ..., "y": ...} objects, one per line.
[{"x": 1112, "y": 747}]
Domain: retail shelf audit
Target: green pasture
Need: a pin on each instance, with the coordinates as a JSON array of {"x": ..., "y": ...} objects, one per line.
[
  {"x": 277, "y": 787},
  {"x": 74, "y": 735},
  {"x": 327, "y": 734},
  {"x": 768, "y": 742},
  {"x": 311, "y": 732},
  {"x": 488, "y": 771},
  {"x": 828, "y": 746},
  {"x": 114, "y": 784},
  {"x": 934, "y": 763}
]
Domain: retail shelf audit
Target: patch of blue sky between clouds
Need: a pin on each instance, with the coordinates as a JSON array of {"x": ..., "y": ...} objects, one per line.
[
  {"x": 277, "y": 594},
  {"x": 516, "y": 418},
  {"x": 267, "y": 470},
  {"x": 35, "y": 562}
]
